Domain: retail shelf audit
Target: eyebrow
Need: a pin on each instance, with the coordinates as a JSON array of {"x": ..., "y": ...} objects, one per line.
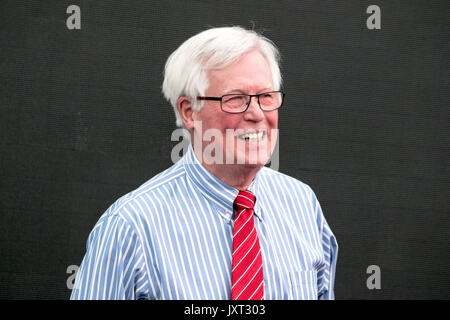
[{"x": 231, "y": 91}]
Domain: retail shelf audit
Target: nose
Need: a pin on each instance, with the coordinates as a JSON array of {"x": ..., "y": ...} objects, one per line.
[{"x": 254, "y": 111}]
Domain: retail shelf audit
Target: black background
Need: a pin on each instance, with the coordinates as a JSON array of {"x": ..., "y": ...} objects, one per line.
[{"x": 365, "y": 123}]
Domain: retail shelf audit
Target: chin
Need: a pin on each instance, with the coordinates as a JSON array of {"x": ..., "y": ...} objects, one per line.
[{"x": 252, "y": 161}]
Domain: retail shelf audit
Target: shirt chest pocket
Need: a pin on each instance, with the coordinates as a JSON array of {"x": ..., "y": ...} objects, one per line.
[{"x": 303, "y": 285}]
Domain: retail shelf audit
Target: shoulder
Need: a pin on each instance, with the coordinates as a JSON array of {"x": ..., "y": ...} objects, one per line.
[
  {"x": 298, "y": 195},
  {"x": 285, "y": 183},
  {"x": 137, "y": 205}
]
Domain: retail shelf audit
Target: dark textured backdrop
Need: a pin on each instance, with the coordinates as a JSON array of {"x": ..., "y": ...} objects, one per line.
[{"x": 366, "y": 124}]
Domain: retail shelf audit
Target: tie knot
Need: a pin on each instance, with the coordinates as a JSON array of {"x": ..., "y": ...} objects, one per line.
[{"x": 245, "y": 199}]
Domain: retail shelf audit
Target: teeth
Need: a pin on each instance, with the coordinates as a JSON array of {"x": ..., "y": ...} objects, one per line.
[{"x": 252, "y": 136}]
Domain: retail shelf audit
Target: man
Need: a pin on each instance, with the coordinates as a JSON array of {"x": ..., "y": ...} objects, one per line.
[{"x": 217, "y": 224}]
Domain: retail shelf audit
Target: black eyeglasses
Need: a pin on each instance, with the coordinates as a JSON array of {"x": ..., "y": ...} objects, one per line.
[{"x": 237, "y": 103}]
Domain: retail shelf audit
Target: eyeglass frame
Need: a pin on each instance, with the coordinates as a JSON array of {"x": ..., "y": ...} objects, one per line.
[{"x": 247, "y": 104}]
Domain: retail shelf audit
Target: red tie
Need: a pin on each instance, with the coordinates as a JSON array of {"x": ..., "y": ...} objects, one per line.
[{"x": 247, "y": 272}]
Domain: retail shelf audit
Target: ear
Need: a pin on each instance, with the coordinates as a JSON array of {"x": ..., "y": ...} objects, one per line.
[{"x": 185, "y": 109}]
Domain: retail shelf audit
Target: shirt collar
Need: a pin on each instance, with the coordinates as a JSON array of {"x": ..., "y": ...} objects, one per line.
[{"x": 215, "y": 190}]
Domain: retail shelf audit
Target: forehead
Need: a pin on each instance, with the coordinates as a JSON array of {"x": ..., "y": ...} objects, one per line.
[{"x": 250, "y": 72}]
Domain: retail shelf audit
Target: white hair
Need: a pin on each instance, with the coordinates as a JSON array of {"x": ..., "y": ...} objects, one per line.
[{"x": 185, "y": 73}]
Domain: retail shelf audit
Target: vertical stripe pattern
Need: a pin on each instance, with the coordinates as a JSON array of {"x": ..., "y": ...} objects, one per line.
[{"x": 172, "y": 238}]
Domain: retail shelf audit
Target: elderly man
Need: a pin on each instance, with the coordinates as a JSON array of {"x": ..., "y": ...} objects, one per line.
[{"x": 218, "y": 224}]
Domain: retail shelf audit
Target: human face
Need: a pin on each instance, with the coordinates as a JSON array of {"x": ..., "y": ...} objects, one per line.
[{"x": 248, "y": 75}]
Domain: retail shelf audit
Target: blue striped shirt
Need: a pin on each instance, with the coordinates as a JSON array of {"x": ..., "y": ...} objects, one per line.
[{"x": 171, "y": 238}]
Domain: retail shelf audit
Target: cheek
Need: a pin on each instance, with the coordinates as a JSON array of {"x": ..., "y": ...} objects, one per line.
[
  {"x": 210, "y": 118},
  {"x": 221, "y": 126},
  {"x": 229, "y": 121},
  {"x": 272, "y": 119}
]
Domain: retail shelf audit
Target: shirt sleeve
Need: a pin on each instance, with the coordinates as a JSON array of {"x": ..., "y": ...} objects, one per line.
[
  {"x": 113, "y": 267},
  {"x": 326, "y": 274}
]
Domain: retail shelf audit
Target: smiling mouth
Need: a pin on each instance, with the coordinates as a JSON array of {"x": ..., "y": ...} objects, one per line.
[{"x": 253, "y": 136}]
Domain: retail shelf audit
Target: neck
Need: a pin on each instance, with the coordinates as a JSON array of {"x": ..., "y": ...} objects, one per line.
[{"x": 238, "y": 176}]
